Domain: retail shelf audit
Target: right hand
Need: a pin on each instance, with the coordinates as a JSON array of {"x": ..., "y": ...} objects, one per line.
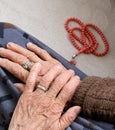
[{"x": 39, "y": 110}]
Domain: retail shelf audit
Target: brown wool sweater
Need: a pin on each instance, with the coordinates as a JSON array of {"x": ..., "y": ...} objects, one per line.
[{"x": 96, "y": 96}]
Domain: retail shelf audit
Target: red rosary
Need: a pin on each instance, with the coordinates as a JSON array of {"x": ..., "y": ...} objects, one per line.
[{"x": 86, "y": 34}]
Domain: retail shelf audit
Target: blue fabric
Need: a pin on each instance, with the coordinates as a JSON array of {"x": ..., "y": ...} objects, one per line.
[{"x": 9, "y": 95}]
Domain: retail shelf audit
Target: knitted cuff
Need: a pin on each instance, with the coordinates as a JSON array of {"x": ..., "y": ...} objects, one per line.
[
  {"x": 83, "y": 88},
  {"x": 96, "y": 96}
]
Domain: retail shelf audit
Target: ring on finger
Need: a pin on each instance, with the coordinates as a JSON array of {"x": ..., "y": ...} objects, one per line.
[
  {"x": 27, "y": 65},
  {"x": 41, "y": 88}
]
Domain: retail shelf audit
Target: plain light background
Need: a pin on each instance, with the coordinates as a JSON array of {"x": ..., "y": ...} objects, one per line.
[{"x": 45, "y": 20}]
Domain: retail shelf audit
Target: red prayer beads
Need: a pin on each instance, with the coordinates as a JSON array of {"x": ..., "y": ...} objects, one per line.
[{"x": 93, "y": 44}]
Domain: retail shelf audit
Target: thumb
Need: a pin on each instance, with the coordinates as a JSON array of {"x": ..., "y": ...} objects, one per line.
[{"x": 70, "y": 115}]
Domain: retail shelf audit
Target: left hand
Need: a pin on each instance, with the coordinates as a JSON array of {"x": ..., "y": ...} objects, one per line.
[
  {"x": 15, "y": 56},
  {"x": 42, "y": 110}
]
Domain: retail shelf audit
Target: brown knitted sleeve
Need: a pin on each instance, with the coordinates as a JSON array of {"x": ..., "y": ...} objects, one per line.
[{"x": 96, "y": 96}]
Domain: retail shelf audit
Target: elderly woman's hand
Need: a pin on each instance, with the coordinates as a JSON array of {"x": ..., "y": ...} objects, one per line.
[
  {"x": 41, "y": 105},
  {"x": 15, "y": 56}
]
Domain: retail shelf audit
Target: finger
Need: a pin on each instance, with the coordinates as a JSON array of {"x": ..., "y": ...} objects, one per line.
[
  {"x": 20, "y": 86},
  {"x": 59, "y": 82},
  {"x": 14, "y": 69},
  {"x": 13, "y": 56},
  {"x": 32, "y": 78},
  {"x": 23, "y": 51},
  {"x": 68, "y": 90},
  {"x": 47, "y": 79},
  {"x": 40, "y": 52},
  {"x": 68, "y": 117}
]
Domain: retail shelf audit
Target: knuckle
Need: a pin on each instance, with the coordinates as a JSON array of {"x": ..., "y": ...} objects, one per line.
[
  {"x": 59, "y": 67},
  {"x": 54, "y": 90},
  {"x": 44, "y": 52},
  {"x": 61, "y": 100},
  {"x": 45, "y": 80},
  {"x": 77, "y": 78},
  {"x": 20, "y": 59},
  {"x": 56, "y": 108},
  {"x": 55, "y": 62},
  {"x": 69, "y": 119},
  {"x": 66, "y": 91},
  {"x": 59, "y": 81},
  {"x": 30, "y": 82},
  {"x": 71, "y": 72},
  {"x": 45, "y": 103},
  {"x": 5, "y": 61},
  {"x": 30, "y": 54}
]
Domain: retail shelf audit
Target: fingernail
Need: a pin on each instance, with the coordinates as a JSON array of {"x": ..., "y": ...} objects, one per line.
[
  {"x": 29, "y": 43},
  {"x": 77, "y": 109},
  {"x": 10, "y": 44}
]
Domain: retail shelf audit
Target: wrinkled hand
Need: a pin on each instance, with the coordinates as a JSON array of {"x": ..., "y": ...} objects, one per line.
[
  {"x": 39, "y": 110},
  {"x": 15, "y": 56}
]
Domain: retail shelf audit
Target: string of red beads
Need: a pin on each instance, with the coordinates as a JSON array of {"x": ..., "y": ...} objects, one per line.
[{"x": 89, "y": 47}]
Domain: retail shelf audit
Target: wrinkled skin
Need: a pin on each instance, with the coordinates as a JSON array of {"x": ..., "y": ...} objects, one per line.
[
  {"x": 15, "y": 56},
  {"x": 39, "y": 110}
]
